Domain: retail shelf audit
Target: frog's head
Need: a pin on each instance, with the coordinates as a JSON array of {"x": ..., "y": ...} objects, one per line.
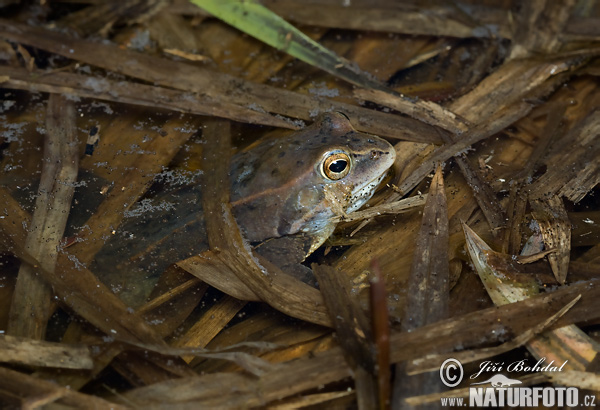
[{"x": 297, "y": 183}]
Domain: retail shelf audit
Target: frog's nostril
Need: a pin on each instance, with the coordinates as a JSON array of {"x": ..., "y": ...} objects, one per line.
[{"x": 375, "y": 154}]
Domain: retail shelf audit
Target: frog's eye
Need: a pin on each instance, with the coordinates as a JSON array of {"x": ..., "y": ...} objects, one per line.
[{"x": 336, "y": 165}]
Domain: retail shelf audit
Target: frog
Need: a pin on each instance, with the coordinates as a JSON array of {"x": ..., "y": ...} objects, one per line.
[{"x": 284, "y": 195}]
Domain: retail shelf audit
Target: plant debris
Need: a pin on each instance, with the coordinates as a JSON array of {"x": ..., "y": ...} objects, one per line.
[{"x": 481, "y": 245}]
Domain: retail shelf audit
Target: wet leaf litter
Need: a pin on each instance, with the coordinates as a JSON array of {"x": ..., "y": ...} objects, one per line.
[{"x": 100, "y": 117}]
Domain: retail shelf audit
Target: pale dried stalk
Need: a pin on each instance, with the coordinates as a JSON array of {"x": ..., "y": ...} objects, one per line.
[
  {"x": 39, "y": 353},
  {"x": 426, "y": 111},
  {"x": 404, "y": 205},
  {"x": 31, "y": 304}
]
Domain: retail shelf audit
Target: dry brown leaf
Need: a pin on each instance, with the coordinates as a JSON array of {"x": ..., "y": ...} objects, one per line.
[
  {"x": 428, "y": 285},
  {"x": 555, "y": 227}
]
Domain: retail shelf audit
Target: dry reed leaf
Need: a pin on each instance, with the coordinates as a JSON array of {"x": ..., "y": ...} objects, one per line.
[
  {"x": 287, "y": 379},
  {"x": 528, "y": 380},
  {"x": 431, "y": 337},
  {"x": 427, "y": 300},
  {"x": 44, "y": 354},
  {"x": 485, "y": 196},
  {"x": 512, "y": 82},
  {"x": 216, "y": 85},
  {"x": 353, "y": 331},
  {"x": 79, "y": 289},
  {"x": 555, "y": 228},
  {"x": 496, "y": 92},
  {"x": 31, "y": 304},
  {"x": 136, "y": 170},
  {"x": 435, "y": 114},
  {"x": 538, "y": 27},
  {"x": 409, "y": 156},
  {"x": 583, "y": 380},
  {"x": 102, "y": 16},
  {"x": 397, "y": 207},
  {"x": 572, "y": 165},
  {"x": 164, "y": 293},
  {"x": 257, "y": 21},
  {"x": 428, "y": 286},
  {"x": 518, "y": 198},
  {"x": 28, "y": 392},
  {"x": 502, "y": 287},
  {"x": 295, "y": 340},
  {"x": 392, "y": 244},
  {"x": 252, "y": 364},
  {"x": 210, "y": 324},
  {"x": 136, "y": 94},
  {"x": 180, "y": 302},
  {"x": 211, "y": 270},
  {"x": 567, "y": 345},
  {"x": 389, "y": 18},
  {"x": 571, "y": 168},
  {"x": 323, "y": 399},
  {"x": 380, "y": 320},
  {"x": 534, "y": 257},
  {"x": 432, "y": 362},
  {"x": 144, "y": 368},
  {"x": 497, "y": 123},
  {"x": 425, "y": 111},
  {"x": 186, "y": 55}
]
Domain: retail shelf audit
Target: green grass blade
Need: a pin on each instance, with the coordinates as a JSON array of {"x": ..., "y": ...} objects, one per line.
[{"x": 266, "y": 26}]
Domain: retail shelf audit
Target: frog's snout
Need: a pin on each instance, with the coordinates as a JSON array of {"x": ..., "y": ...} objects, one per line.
[
  {"x": 378, "y": 154},
  {"x": 386, "y": 155}
]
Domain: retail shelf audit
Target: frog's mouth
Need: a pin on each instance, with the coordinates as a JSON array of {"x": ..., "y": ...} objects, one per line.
[{"x": 361, "y": 194}]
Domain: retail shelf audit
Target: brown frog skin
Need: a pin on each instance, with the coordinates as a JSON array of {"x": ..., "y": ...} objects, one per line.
[
  {"x": 284, "y": 186},
  {"x": 284, "y": 192}
]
